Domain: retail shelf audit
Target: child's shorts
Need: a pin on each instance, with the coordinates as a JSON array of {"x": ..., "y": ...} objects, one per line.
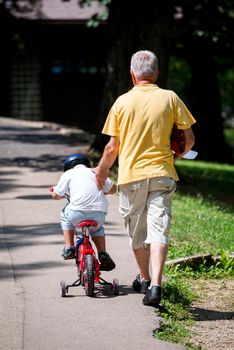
[{"x": 71, "y": 218}]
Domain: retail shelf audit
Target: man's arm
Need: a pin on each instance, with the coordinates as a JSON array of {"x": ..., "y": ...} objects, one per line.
[
  {"x": 189, "y": 142},
  {"x": 112, "y": 190},
  {"x": 109, "y": 156}
]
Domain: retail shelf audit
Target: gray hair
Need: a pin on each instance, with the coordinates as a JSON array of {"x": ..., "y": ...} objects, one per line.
[{"x": 144, "y": 65}]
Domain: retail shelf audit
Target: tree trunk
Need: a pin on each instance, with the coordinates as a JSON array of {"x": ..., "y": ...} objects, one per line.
[
  {"x": 205, "y": 102},
  {"x": 5, "y": 37},
  {"x": 133, "y": 26}
]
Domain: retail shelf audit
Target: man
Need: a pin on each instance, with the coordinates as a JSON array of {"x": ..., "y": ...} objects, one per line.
[{"x": 139, "y": 125}]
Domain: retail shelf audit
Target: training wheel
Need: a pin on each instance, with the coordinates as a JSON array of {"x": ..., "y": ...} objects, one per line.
[
  {"x": 63, "y": 288},
  {"x": 115, "y": 286}
]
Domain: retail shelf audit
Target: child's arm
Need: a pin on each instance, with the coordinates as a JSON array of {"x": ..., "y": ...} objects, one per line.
[
  {"x": 112, "y": 190},
  {"x": 54, "y": 195},
  {"x": 59, "y": 191}
]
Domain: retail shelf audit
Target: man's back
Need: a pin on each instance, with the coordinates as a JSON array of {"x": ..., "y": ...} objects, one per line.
[{"x": 144, "y": 117}]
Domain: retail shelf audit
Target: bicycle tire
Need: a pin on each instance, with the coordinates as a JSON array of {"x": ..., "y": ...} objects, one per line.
[{"x": 89, "y": 275}]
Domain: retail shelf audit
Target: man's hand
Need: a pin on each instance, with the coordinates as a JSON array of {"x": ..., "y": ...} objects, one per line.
[
  {"x": 188, "y": 144},
  {"x": 177, "y": 156},
  {"x": 101, "y": 176}
]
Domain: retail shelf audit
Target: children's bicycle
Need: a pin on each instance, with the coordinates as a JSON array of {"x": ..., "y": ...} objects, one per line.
[{"x": 88, "y": 266}]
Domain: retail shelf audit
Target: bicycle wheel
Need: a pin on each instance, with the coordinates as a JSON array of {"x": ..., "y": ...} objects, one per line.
[
  {"x": 89, "y": 275},
  {"x": 115, "y": 286},
  {"x": 63, "y": 289}
]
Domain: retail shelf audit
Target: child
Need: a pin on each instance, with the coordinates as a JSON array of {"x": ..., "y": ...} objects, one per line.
[{"x": 87, "y": 202}]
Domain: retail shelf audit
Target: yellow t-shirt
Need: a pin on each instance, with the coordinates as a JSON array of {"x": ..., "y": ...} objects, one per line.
[{"x": 143, "y": 119}]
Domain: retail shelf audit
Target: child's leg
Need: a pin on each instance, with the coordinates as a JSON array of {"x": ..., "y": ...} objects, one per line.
[
  {"x": 98, "y": 237},
  {"x": 98, "y": 233},
  {"x": 107, "y": 264},
  {"x": 100, "y": 243},
  {"x": 68, "y": 238}
]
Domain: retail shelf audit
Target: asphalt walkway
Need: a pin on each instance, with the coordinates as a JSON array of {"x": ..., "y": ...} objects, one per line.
[{"x": 33, "y": 316}]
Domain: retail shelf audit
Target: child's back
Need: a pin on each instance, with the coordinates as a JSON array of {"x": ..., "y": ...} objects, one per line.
[{"x": 80, "y": 184}]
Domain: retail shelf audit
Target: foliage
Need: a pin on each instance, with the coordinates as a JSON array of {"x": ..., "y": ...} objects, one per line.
[
  {"x": 229, "y": 135},
  {"x": 177, "y": 297},
  {"x": 223, "y": 268},
  {"x": 226, "y": 79},
  {"x": 97, "y": 18},
  {"x": 175, "y": 291},
  {"x": 212, "y": 19}
]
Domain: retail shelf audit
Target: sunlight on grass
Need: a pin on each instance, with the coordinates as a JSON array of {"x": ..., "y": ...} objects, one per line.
[{"x": 202, "y": 222}]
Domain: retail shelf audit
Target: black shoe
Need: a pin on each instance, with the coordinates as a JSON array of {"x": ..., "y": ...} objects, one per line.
[
  {"x": 68, "y": 253},
  {"x": 107, "y": 264},
  {"x": 153, "y": 296},
  {"x": 140, "y": 286}
]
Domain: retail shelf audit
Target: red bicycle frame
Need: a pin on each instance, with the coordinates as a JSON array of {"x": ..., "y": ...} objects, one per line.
[{"x": 86, "y": 248}]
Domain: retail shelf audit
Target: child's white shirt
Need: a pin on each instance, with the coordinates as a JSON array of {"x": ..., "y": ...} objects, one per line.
[{"x": 79, "y": 183}]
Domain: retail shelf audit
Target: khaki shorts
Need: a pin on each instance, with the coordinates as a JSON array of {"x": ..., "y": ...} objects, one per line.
[{"x": 145, "y": 206}]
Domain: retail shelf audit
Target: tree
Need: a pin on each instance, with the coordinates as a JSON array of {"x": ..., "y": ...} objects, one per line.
[
  {"x": 5, "y": 40},
  {"x": 131, "y": 27},
  {"x": 203, "y": 36}
]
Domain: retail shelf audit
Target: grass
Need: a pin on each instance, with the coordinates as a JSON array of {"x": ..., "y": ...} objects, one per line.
[
  {"x": 178, "y": 296},
  {"x": 203, "y": 222}
]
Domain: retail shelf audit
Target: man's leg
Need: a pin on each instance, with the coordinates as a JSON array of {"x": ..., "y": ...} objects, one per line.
[
  {"x": 132, "y": 207},
  {"x": 142, "y": 260},
  {"x": 158, "y": 226},
  {"x": 158, "y": 254},
  {"x": 159, "y": 204}
]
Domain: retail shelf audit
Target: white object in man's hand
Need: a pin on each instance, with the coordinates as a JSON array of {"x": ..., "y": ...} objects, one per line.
[{"x": 190, "y": 155}]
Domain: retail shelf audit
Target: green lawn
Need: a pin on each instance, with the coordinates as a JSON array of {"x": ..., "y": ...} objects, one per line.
[{"x": 203, "y": 206}]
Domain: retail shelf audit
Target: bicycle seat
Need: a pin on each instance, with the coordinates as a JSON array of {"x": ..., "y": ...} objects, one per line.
[{"x": 87, "y": 223}]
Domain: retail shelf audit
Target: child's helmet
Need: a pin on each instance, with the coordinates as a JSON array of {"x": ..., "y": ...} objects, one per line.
[{"x": 75, "y": 159}]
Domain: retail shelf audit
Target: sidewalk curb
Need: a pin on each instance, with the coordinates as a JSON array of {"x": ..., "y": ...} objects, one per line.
[{"x": 195, "y": 260}]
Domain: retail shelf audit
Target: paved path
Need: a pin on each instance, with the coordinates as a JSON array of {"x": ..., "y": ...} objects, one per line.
[{"x": 33, "y": 316}]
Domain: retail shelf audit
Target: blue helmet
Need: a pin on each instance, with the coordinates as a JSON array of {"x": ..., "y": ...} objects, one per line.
[{"x": 75, "y": 159}]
